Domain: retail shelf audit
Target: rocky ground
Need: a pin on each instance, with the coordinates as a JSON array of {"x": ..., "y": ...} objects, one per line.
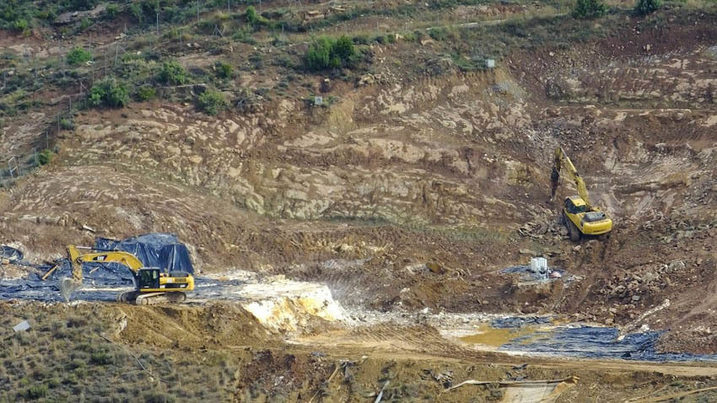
[{"x": 413, "y": 191}]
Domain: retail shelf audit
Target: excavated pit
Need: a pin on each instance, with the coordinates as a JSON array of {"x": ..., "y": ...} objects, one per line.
[{"x": 387, "y": 224}]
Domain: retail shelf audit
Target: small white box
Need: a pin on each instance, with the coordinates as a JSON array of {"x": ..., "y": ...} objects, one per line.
[
  {"x": 538, "y": 265},
  {"x": 22, "y": 326}
]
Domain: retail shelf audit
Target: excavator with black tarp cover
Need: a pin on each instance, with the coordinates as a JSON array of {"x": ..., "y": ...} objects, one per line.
[
  {"x": 152, "y": 285},
  {"x": 578, "y": 215}
]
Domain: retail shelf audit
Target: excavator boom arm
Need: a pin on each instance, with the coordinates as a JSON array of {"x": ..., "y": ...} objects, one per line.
[
  {"x": 561, "y": 160},
  {"x": 77, "y": 258}
]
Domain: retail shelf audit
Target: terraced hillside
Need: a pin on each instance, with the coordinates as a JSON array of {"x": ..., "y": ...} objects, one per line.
[{"x": 420, "y": 174}]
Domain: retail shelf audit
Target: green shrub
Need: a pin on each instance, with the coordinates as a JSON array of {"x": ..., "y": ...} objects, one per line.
[
  {"x": 325, "y": 53},
  {"x": 644, "y": 7},
  {"x": 36, "y": 392},
  {"x": 319, "y": 54},
  {"x": 75, "y": 364},
  {"x": 173, "y": 73},
  {"x": 20, "y": 25},
  {"x": 251, "y": 15},
  {"x": 84, "y": 24},
  {"x": 53, "y": 382},
  {"x": 136, "y": 10},
  {"x": 587, "y": 9},
  {"x": 211, "y": 102},
  {"x": 101, "y": 358},
  {"x": 438, "y": 34},
  {"x": 78, "y": 55},
  {"x": 244, "y": 36},
  {"x": 48, "y": 13},
  {"x": 109, "y": 93},
  {"x": 146, "y": 92},
  {"x": 284, "y": 61},
  {"x": 254, "y": 19},
  {"x": 45, "y": 156},
  {"x": 157, "y": 397},
  {"x": 67, "y": 124},
  {"x": 361, "y": 39},
  {"x": 224, "y": 70},
  {"x": 257, "y": 60},
  {"x": 75, "y": 5},
  {"x": 111, "y": 11},
  {"x": 344, "y": 48}
]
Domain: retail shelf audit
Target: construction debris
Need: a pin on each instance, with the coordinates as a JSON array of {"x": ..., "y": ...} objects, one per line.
[
  {"x": 571, "y": 379},
  {"x": 11, "y": 255},
  {"x": 22, "y": 326}
]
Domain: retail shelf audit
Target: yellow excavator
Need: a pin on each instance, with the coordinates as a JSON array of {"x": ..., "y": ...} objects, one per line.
[
  {"x": 151, "y": 284},
  {"x": 578, "y": 215}
]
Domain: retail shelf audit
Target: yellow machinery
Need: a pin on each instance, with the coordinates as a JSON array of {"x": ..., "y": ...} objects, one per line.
[
  {"x": 579, "y": 216},
  {"x": 151, "y": 284}
]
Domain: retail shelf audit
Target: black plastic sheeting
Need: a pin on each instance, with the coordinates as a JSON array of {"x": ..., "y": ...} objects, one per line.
[
  {"x": 11, "y": 254},
  {"x": 518, "y": 321},
  {"x": 96, "y": 274},
  {"x": 103, "y": 289},
  {"x": 153, "y": 250},
  {"x": 598, "y": 342},
  {"x": 527, "y": 273}
]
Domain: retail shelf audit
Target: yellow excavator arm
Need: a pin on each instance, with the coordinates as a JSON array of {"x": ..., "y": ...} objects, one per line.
[
  {"x": 78, "y": 258},
  {"x": 561, "y": 160}
]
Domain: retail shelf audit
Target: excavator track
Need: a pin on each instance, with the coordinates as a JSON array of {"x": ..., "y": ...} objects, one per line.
[
  {"x": 573, "y": 231},
  {"x": 151, "y": 298}
]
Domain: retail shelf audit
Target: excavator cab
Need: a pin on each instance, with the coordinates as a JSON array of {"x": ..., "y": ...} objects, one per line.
[
  {"x": 574, "y": 208},
  {"x": 148, "y": 278}
]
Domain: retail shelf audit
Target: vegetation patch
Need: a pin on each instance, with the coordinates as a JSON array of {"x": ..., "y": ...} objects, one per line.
[
  {"x": 644, "y": 7},
  {"x": 211, "y": 102},
  {"x": 254, "y": 19},
  {"x": 588, "y": 9},
  {"x": 108, "y": 93},
  {"x": 173, "y": 73},
  {"x": 145, "y": 93},
  {"x": 224, "y": 70},
  {"x": 329, "y": 53},
  {"x": 78, "y": 56}
]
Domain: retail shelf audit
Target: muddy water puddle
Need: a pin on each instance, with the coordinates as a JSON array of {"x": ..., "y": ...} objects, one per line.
[{"x": 496, "y": 337}]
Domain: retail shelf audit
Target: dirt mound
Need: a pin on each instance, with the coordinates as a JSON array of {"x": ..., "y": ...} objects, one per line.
[{"x": 189, "y": 327}]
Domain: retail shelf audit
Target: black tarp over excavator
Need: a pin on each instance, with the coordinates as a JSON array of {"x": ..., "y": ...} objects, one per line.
[
  {"x": 161, "y": 250},
  {"x": 153, "y": 250}
]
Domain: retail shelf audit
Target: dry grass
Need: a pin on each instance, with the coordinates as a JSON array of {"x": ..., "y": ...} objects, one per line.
[{"x": 66, "y": 356}]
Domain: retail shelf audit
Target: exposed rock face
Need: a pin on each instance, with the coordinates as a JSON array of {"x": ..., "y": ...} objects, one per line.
[{"x": 399, "y": 154}]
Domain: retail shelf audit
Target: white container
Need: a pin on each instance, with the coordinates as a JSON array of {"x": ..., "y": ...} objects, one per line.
[
  {"x": 539, "y": 265},
  {"x": 22, "y": 326}
]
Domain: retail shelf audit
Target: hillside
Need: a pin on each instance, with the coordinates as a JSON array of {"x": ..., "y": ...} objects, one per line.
[{"x": 420, "y": 174}]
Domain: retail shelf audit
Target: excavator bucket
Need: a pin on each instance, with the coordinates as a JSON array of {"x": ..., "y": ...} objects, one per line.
[{"x": 68, "y": 285}]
